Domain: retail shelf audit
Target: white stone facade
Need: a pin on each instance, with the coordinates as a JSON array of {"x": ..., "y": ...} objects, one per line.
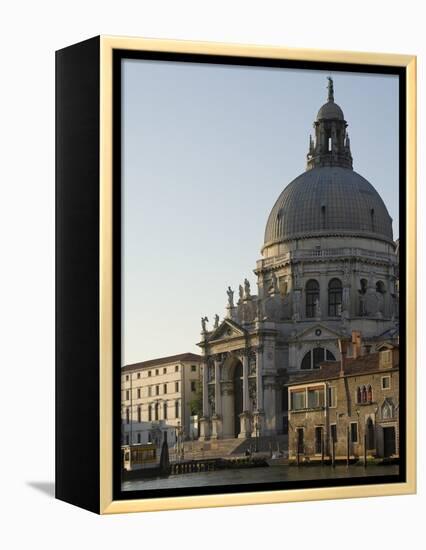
[
  {"x": 329, "y": 267},
  {"x": 161, "y": 390}
]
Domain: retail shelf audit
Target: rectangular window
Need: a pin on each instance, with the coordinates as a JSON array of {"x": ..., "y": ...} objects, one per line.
[
  {"x": 333, "y": 430},
  {"x": 139, "y": 375},
  {"x": 297, "y": 400},
  {"x": 318, "y": 440},
  {"x": 127, "y": 416},
  {"x": 311, "y": 298},
  {"x": 139, "y": 393},
  {"x": 127, "y": 395},
  {"x": 165, "y": 388},
  {"x": 157, "y": 390},
  {"x": 139, "y": 437},
  {"x": 332, "y": 401},
  {"x": 127, "y": 378},
  {"x": 177, "y": 368},
  {"x": 193, "y": 368},
  {"x": 176, "y": 386},
  {"x": 177, "y": 409},
  {"x": 149, "y": 373},
  {"x": 156, "y": 372},
  {"x": 139, "y": 414},
  {"x": 386, "y": 383},
  {"x": 193, "y": 385},
  {"x": 127, "y": 439},
  {"x": 149, "y": 391},
  {"x": 354, "y": 432},
  {"x": 315, "y": 398},
  {"x": 165, "y": 370}
]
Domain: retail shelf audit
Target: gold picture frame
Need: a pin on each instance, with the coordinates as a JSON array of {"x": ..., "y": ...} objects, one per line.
[{"x": 107, "y": 46}]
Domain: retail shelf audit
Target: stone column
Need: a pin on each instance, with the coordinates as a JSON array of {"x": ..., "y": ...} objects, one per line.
[
  {"x": 259, "y": 381},
  {"x": 218, "y": 399},
  {"x": 204, "y": 420},
  {"x": 270, "y": 405},
  {"x": 205, "y": 390},
  {"x": 245, "y": 383},
  {"x": 217, "y": 417},
  {"x": 245, "y": 428}
]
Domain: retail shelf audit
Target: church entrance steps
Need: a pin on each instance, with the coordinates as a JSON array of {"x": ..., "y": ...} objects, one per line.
[
  {"x": 210, "y": 449},
  {"x": 221, "y": 448},
  {"x": 264, "y": 444}
]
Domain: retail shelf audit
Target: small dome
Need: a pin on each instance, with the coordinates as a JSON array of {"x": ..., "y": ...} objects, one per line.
[
  {"x": 328, "y": 200},
  {"x": 330, "y": 110}
]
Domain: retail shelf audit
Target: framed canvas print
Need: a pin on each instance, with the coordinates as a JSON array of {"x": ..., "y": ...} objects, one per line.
[{"x": 235, "y": 274}]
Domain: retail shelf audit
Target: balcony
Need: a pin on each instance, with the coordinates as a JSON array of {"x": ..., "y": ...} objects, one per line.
[{"x": 315, "y": 253}]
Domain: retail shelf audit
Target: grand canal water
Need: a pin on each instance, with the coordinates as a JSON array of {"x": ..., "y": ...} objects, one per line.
[{"x": 259, "y": 475}]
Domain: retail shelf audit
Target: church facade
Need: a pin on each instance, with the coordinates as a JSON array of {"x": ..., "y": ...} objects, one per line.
[{"x": 328, "y": 267}]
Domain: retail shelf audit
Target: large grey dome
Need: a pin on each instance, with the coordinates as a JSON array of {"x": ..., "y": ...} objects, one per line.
[{"x": 329, "y": 200}]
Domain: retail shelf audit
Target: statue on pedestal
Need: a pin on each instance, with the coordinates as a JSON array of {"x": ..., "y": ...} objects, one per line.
[
  {"x": 240, "y": 294},
  {"x": 204, "y": 320},
  {"x": 274, "y": 284},
  {"x": 247, "y": 289},
  {"x": 230, "y": 294}
]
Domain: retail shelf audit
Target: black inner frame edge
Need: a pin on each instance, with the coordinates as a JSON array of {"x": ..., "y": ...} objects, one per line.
[{"x": 118, "y": 57}]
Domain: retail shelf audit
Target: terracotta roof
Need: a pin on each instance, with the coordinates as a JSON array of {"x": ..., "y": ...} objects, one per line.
[
  {"x": 365, "y": 364},
  {"x": 162, "y": 360}
]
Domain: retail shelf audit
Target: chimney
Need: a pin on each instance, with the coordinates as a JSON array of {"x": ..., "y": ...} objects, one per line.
[
  {"x": 356, "y": 344},
  {"x": 343, "y": 347}
]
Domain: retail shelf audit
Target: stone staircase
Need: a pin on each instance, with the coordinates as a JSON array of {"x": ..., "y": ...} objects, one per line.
[
  {"x": 264, "y": 444},
  {"x": 221, "y": 448},
  {"x": 210, "y": 449}
]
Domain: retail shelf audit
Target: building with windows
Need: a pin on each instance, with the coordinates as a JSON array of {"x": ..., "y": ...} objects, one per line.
[
  {"x": 328, "y": 266},
  {"x": 353, "y": 403},
  {"x": 158, "y": 393},
  {"x": 141, "y": 433}
]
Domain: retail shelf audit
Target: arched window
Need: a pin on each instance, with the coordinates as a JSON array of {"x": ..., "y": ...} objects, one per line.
[
  {"x": 334, "y": 297},
  {"x": 358, "y": 395},
  {"x": 387, "y": 410},
  {"x": 149, "y": 413},
  {"x": 312, "y": 359},
  {"x": 156, "y": 411},
  {"x": 312, "y": 295},
  {"x": 369, "y": 394},
  {"x": 306, "y": 361},
  {"x": 380, "y": 287},
  {"x": 364, "y": 394},
  {"x": 165, "y": 411}
]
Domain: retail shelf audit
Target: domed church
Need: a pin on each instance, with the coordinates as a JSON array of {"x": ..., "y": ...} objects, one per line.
[{"x": 328, "y": 267}]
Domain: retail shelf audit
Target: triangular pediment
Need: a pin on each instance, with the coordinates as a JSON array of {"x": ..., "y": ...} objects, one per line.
[
  {"x": 227, "y": 329},
  {"x": 317, "y": 332}
]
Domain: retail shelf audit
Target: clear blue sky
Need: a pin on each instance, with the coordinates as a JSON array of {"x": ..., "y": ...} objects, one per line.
[{"x": 207, "y": 149}]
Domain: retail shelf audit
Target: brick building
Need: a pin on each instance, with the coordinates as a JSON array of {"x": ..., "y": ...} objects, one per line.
[{"x": 353, "y": 402}]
